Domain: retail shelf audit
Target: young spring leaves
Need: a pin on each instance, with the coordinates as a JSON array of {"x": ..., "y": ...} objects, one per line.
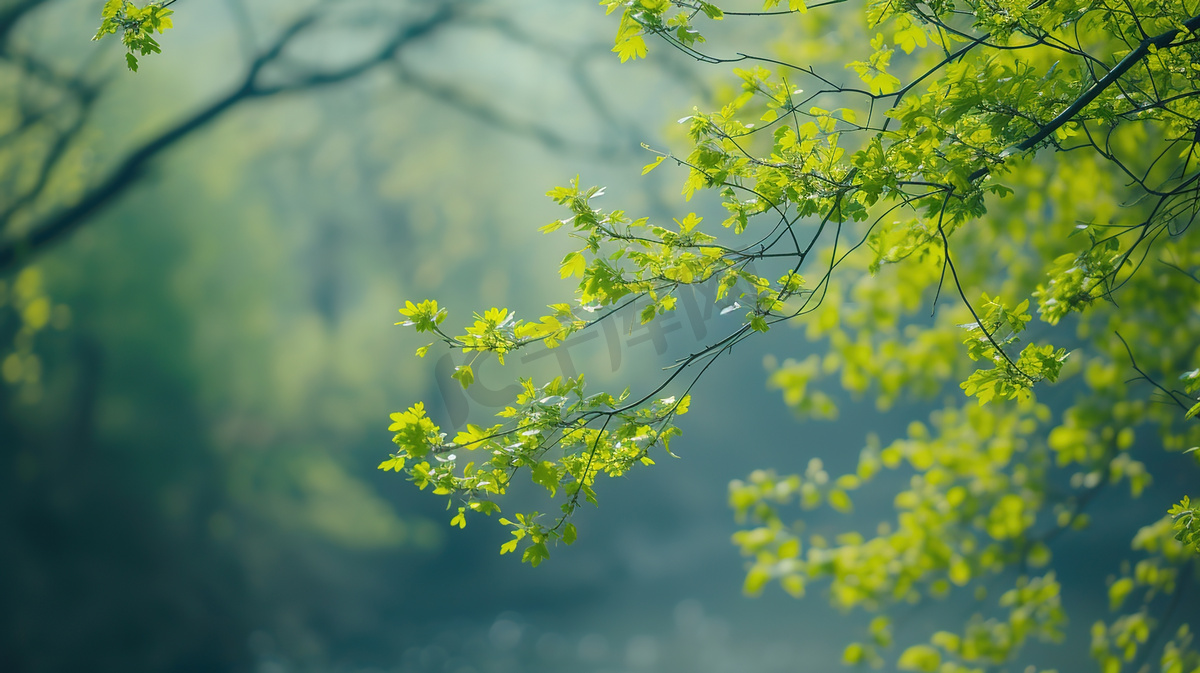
[
  {"x": 137, "y": 26},
  {"x": 910, "y": 174},
  {"x": 1185, "y": 522},
  {"x": 997, "y": 328},
  {"x": 561, "y": 437},
  {"x": 1101, "y": 233},
  {"x": 24, "y": 302}
]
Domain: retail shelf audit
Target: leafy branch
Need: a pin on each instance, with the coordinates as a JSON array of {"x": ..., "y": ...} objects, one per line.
[{"x": 137, "y": 26}]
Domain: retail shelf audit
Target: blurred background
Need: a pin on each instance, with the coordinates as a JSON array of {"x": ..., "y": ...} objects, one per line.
[{"x": 200, "y": 267}]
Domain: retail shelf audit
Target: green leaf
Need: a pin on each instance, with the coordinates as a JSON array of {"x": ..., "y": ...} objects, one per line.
[
  {"x": 463, "y": 375},
  {"x": 395, "y": 463},
  {"x": 647, "y": 313},
  {"x": 652, "y": 165},
  {"x": 682, "y": 406},
  {"x": 839, "y": 500},
  {"x": 756, "y": 579},
  {"x": 574, "y": 264},
  {"x": 1192, "y": 412},
  {"x": 1118, "y": 591},
  {"x": 631, "y": 47},
  {"x": 553, "y": 226},
  {"x": 535, "y": 554},
  {"x": 919, "y": 658},
  {"x": 793, "y": 585},
  {"x": 546, "y": 474}
]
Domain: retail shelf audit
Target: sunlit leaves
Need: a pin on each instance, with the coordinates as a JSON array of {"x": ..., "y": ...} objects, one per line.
[
  {"x": 1033, "y": 611},
  {"x": 629, "y": 41},
  {"x": 1013, "y": 380},
  {"x": 395, "y": 463},
  {"x": 899, "y": 169},
  {"x": 26, "y": 304},
  {"x": 652, "y": 165},
  {"x": 874, "y": 71},
  {"x": 546, "y": 474},
  {"x": 137, "y": 26},
  {"x": 960, "y": 499},
  {"x": 1178, "y": 655},
  {"x": 919, "y": 658},
  {"x": 464, "y": 375},
  {"x": 853, "y": 654},
  {"x": 423, "y": 317},
  {"x": 1120, "y": 641},
  {"x": 1076, "y": 280},
  {"x": 1185, "y": 522},
  {"x": 997, "y": 328},
  {"x": 1118, "y": 591},
  {"x": 909, "y": 35},
  {"x": 793, "y": 379},
  {"x": 952, "y": 133},
  {"x": 794, "y": 5},
  {"x": 572, "y": 265},
  {"x": 416, "y": 434},
  {"x": 557, "y": 415}
]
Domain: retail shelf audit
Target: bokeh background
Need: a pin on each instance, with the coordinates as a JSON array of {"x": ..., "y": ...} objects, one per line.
[{"x": 191, "y": 417}]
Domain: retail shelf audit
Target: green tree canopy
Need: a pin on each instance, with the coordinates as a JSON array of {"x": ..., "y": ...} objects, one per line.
[
  {"x": 909, "y": 206},
  {"x": 1014, "y": 155}
]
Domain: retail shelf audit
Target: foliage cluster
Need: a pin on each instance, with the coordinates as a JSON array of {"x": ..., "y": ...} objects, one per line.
[
  {"x": 137, "y": 26},
  {"x": 25, "y": 311},
  {"x": 1046, "y": 153},
  {"x": 1003, "y": 152}
]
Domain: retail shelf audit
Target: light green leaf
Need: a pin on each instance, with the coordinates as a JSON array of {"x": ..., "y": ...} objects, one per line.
[
  {"x": 1192, "y": 412},
  {"x": 464, "y": 375},
  {"x": 919, "y": 658},
  {"x": 573, "y": 264},
  {"x": 652, "y": 165}
]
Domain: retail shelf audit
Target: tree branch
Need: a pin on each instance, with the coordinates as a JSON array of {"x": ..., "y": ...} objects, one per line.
[
  {"x": 1131, "y": 59},
  {"x": 121, "y": 178}
]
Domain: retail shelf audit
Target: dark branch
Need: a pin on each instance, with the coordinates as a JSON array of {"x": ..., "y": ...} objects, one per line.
[{"x": 120, "y": 179}]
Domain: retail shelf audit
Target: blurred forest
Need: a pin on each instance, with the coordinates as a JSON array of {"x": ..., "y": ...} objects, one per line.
[{"x": 200, "y": 266}]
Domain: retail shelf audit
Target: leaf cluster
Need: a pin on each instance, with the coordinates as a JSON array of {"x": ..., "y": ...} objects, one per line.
[
  {"x": 137, "y": 26},
  {"x": 1045, "y": 151}
]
